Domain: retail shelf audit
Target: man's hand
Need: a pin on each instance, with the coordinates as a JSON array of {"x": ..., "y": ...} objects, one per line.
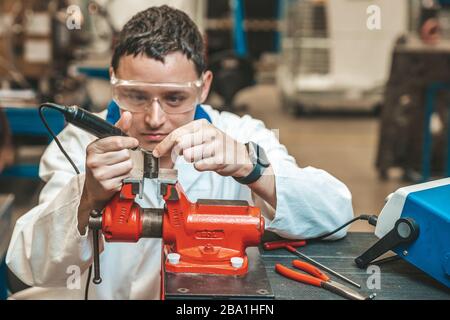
[
  {"x": 108, "y": 162},
  {"x": 208, "y": 148}
]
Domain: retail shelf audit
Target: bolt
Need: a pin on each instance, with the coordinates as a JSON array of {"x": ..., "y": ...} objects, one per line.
[
  {"x": 173, "y": 258},
  {"x": 262, "y": 291},
  {"x": 208, "y": 248},
  {"x": 237, "y": 262},
  {"x": 405, "y": 252}
]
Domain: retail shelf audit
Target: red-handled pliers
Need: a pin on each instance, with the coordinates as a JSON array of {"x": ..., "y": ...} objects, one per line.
[
  {"x": 317, "y": 278},
  {"x": 284, "y": 244},
  {"x": 290, "y": 245}
]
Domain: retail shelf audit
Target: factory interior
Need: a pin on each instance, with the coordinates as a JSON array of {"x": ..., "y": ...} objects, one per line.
[{"x": 357, "y": 91}]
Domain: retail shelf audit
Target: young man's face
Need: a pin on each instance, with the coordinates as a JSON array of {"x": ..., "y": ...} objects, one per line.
[{"x": 152, "y": 126}]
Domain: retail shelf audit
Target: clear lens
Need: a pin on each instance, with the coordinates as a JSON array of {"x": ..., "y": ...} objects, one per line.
[{"x": 173, "y": 98}]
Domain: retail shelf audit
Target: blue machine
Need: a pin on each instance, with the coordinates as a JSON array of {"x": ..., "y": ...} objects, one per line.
[{"x": 415, "y": 224}]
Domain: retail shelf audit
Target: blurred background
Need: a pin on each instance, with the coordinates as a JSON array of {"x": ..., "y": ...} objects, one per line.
[{"x": 357, "y": 88}]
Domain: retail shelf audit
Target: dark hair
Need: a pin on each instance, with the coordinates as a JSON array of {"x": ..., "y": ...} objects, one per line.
[{"x": 158, "y": 31}]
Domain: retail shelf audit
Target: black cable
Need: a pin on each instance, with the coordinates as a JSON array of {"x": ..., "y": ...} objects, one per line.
[
  {"x": 372, "y": 219},
  {"x": 41, "y": 115},
  {"x": 88, "y": 281},
  {"x": 58, "y": 143}
]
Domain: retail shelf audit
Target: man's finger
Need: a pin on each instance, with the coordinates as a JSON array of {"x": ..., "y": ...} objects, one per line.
[
  {"x": 113, "y": 171},
  {"x": 110, "y": 158},
  {"x": 167, "y": 144},
  {"x": 116, "y": 183},
  {"x": 208, "y": 164},
  {"x": 196, "y": 138},
  {"x": 199, "y": 152},
  {"x": 185, "y": 142},
  {"x": 115, "y": 143}
]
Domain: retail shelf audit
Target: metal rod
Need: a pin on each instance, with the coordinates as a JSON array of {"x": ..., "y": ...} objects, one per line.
[
  {"x": 97, "y": 279},
  {"x": 151, "y": 165},
  {"x": 319, "y": 265},
  {"x": 343, "y": 291}
]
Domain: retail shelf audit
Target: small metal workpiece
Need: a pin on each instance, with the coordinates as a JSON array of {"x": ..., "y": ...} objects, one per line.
[{"x": 151, "y": 165}]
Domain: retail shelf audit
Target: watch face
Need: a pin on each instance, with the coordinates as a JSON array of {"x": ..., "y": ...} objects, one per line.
[
  {"x": 252, "y": 152},
  {"x": 262, "y": 158},
  {"x": 257, "y": 154}
]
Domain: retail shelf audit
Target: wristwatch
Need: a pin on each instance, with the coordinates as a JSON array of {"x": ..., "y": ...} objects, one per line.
[{"x": 260, "y": 163}]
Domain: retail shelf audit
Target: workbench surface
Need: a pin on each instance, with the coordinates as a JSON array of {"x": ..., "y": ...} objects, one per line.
[{"x": 398, "y": 279}]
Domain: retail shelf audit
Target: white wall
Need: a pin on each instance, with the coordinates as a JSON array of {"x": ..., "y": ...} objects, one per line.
[{"x": 360, "y": 56}]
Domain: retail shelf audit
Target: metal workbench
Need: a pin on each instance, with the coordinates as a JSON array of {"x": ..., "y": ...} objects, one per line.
[{"x": 399, "y": 280}]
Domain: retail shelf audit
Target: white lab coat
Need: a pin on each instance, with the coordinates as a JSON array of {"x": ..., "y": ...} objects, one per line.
[{"x": 46, "y": 246}]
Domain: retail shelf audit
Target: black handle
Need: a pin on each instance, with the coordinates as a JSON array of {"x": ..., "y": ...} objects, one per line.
[
  {"x": 406, "y": 230},
  {"x": 95, "y": 224},
  {"x": 91, "y": 123},
  {"x": 97, "y": 279}
]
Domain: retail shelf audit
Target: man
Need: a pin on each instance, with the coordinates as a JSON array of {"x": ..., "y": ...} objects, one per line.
[{"x": 159, "y": 81}]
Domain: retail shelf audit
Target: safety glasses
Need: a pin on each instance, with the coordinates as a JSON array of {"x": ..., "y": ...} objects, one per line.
[{"x": 172, "y": 97}]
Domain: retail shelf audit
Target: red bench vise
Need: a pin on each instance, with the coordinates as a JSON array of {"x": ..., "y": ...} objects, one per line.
[{"x": 204, "y": 237}]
